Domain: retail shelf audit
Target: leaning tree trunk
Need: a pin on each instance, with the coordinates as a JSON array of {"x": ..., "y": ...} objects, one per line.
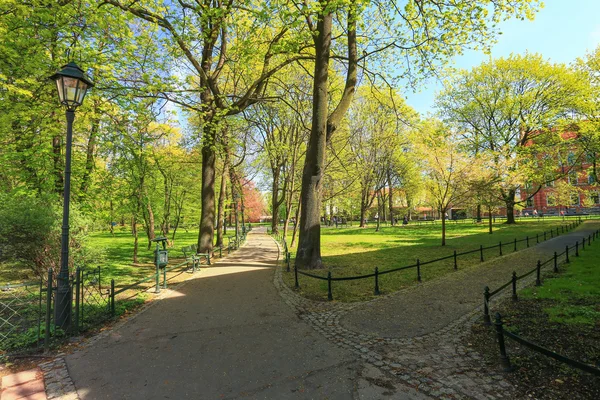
[
  {"x": 309, "y": 244},
  {"x": 207, "y": 216},
  {"x": 149, "y": 220}
]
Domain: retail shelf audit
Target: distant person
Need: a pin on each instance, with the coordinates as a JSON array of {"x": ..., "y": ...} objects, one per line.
[
  {"x": 405, "y": 220},
  {"x": 535, "y": 214}
]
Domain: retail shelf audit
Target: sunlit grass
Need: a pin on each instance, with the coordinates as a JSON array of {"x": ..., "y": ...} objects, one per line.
[{"x": 355, "y": 251}]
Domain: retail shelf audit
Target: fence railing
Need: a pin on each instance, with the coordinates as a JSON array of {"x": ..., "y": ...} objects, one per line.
[
  {"x": 27, "y": 310},
  {"x": 505, "y": 360},
  {"x": 555, "y": 261},
  {"x": 417, "y": 266}
]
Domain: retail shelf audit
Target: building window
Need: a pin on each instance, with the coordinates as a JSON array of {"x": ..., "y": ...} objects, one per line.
[
  {"x": 573, "y": 178},
  {"x": 595, "y": 197},
  {"x": 590, "y": 157},
  {"x": 575, "y": 199},
  {"x": 528, "y": 185},
  {"x": 529, "y": 203},
  {"x": 550, "y": 200},
  {"x": 571, "y": 159},
  {"x": 591, "y": 179}
]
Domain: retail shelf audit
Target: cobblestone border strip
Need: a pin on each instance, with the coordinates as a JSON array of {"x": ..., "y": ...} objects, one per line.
[
  {"x": 57, "y": 380},
  {"x": 470, "y": 380}
]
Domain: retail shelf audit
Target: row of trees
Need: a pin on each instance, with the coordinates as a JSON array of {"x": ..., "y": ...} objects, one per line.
[{"x": 233, "y": 69}]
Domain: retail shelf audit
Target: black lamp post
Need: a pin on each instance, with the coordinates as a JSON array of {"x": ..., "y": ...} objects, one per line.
[{"x": 72, "y": 85}]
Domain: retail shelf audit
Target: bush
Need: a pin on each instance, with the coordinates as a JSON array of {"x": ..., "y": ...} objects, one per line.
[{"x": 30, "y": 233}]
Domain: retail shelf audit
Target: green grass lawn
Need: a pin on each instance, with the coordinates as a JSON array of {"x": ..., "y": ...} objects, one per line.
[
  {"x": 117, "y": 259},
  {"x": 354, "y": 251},
  {"x": 575, "y": 294}
]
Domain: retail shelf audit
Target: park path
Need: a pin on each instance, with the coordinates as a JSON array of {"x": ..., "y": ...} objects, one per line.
[{"x": 224, "y": 335}]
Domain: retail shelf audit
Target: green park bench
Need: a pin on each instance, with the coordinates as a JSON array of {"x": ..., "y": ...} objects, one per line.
[{"x": 191, "y": 253}]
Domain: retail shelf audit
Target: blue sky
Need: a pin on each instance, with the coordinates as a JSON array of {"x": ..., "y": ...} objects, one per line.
[{"x": 562, "y": 31}]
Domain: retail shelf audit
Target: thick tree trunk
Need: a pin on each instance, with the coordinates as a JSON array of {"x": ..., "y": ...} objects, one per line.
[
  {"x": 363, "y": 211},
  {"x": 221, "y": 206},
  {"x": 443, "y": 213},
  {"x": 309, "y": 244},
  {"x": 478, "y": 212},
  {"x": 207, "y": 216},
  {"x": 378, "y": 212},
  {"x": 510, "y": 207},
  {"x": 490, "y": 219}
]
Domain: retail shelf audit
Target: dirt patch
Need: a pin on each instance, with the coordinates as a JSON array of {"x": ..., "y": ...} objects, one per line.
[{"x": 535, "y": 375}]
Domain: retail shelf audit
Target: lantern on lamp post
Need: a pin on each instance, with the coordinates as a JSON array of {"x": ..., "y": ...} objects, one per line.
[{"x": 72, "y": 85}]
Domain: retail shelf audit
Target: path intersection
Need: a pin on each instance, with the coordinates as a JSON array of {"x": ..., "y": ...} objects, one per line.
[{"x": 227, "y": 334}]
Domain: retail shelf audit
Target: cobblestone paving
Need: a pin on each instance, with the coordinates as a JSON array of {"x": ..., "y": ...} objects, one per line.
[
  {"x": 59, "y": 385},
  {"x": 436, "y": 364}
]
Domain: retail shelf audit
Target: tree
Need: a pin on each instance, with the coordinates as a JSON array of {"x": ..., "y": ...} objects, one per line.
[
  {"x": 424, "y": 34},
  {"x": 448, "y": 171},
  {"x": 514, "y": 110}
]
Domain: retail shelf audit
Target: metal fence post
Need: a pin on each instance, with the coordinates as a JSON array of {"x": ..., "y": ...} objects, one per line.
[
  {"x": 418, "y": 270},
  {"x": 563, "y": 228},
  {"x": 376, "y": 281},
  {"x": 48, "y": 310},
  {"x": 577, "y": 249},
  {"x": 544, "y": 235},
  {"x": 455, "y": 264},
  {"x": 500, "y": 247},
  {"x": 527, "y": 240},
  {"x": 481, "y": 252},
  {"x": 555, "y": 262},
  {"x": 567, "y": 253},
  {"x": 537, "y": 237},
  {"x": 112, "y": 297},
  {"x": 288, "y": 256},
  {"x": 515, "y": 249},
  {"x": 583, "y": 244},
  {"x": 296, "y": 277},
  {"x": 551, "y": 233},
  {"x": 504, "y": 360},
  {"x": 329, "y": 294},
  {"x": 486, "y": 307},
  {"x": 538, "y": 281},
  {"x": 514, "y": 286},
  {"x": 77, "y": 298}
]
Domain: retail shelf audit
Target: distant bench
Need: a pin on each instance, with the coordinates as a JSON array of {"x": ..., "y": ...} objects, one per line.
[{"x": 191, "y": 253}]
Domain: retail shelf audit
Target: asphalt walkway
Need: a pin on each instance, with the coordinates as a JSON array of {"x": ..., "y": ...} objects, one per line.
[{"x": 224, "y": 335}]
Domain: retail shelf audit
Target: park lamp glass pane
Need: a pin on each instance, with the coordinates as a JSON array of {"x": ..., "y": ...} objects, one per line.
[{"x": 72, "y": 85}]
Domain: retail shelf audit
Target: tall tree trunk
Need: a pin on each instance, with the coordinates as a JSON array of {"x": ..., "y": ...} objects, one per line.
[
  {"x": 309, "y": 244},
  {"x": 490, "y": 219},
  {"x": 443, "y": 214},
  {"x": 390, "y": 200},
  {"x": 275, "y": 199},
  {"x": 112, "y": 218},
  {"x": 178, "y": 211},
  {"x": 221, "y": 206},
  {"x": 378, "y": 211},
  {"x": 89, "y": 159},
  {"x": 296, "y": 225},
  {"x": 149, "y": 220},
  {"x": 363, "y": 211},
  {"x": 509, "y": 199},
  {"x": 207, "y": 216},
  {"x": 134, "y": 232},
  {"x": 478, "y": 212},
  {"x": 57, "y": 165}
]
